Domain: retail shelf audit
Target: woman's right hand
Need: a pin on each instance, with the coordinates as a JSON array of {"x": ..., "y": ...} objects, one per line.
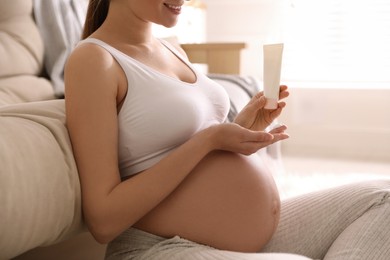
[{"x": 235, "y": 138}]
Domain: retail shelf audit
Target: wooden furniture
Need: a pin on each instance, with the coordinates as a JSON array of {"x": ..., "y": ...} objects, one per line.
[{"x": 221, "y": 58}]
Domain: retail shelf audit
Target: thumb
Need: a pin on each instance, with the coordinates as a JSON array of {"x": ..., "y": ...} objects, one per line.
[
  {"x": 256, "y": 104},
  {"x": 262, "y": 101}
]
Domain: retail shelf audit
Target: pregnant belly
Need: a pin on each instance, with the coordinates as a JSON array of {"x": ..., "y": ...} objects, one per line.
[{"x": 228, "y": 201}]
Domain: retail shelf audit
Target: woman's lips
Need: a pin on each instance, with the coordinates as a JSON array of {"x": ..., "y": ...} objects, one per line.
[{"x": 176, "y": 9}]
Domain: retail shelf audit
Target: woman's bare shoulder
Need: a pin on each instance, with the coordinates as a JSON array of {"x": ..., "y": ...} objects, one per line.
[
  {"x": 91, "y": 66},
  {"x": 89, "y": 55}
]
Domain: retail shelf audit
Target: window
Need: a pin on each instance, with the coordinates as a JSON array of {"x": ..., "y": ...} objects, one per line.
[{"x": 343, "y": 41}]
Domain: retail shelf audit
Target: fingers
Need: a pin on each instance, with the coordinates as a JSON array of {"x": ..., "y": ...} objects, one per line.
[
  {"x": 254, "y": 136},
  {"x": 261, "y": 103},
  {"x": 259, "y": 94},
  {"x": 278, "y": 129},
  {"x": 278, "y": 138},
  {"x": 255, "y": 105},
  {"x": 276, "y": 113},
  {"x": 248, "y": 114},
  {"x": 263, "y": 139},
  {"x": 278, "y": 133},
  {"x": 257, "y": 141},
  {"x": 254, "y": 146},
  {"x": 283, "y": 87},
  {"x": 281, "y": 104},
  {"x": 260, "y": 136},
  {"x": 283, "y": 92},
  {"x": 256, "y": 99},
  {"x": 233, "y": 137}
]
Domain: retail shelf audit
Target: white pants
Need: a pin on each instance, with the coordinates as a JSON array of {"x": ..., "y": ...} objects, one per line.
[{"x": 350, "y": 222}]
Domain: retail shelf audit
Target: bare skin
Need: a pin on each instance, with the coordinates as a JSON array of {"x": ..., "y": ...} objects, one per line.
[
  {"x": 229, "y": 201},
  {"x": 212, "y": 189}
]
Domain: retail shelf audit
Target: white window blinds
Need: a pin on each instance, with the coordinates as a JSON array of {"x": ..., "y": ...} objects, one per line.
[{"x": 338, "y": 41}]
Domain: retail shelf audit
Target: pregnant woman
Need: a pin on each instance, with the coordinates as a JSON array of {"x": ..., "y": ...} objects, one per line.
[{"x": 162, "y": 175}]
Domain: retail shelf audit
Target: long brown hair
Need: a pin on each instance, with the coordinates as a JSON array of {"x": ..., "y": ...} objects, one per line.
[{"x": 96, "y": 14}]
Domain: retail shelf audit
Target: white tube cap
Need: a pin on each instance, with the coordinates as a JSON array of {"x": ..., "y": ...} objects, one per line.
[{"x": 271, "y": 103}]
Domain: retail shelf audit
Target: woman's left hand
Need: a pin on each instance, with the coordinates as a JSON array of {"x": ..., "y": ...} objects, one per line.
[{"x": 255, "y": 117}]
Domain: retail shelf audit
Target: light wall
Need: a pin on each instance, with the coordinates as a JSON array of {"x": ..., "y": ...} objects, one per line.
[
  {"x": 342, "y": 123},
  {"x": 339, "y": 122}
]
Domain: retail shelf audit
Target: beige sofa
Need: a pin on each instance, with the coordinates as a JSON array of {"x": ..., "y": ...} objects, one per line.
[{"x": 39, "y": 186}]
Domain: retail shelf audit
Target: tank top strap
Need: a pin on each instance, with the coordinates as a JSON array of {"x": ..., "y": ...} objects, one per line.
[
  {"x": 101, "y": 43},
  {"x": 175, "y": 51}
]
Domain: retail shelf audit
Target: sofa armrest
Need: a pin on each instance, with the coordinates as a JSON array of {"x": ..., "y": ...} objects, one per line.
[{"x": 39, "y": 184}]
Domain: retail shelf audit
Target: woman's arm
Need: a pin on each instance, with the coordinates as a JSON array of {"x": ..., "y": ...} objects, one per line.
[{"x": 94, "y": 83}]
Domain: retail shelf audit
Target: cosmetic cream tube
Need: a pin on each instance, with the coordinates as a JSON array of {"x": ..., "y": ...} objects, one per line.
[{"x": 272, "y": 67}]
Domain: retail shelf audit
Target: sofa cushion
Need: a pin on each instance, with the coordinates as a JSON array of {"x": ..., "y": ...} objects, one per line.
[
  {"x": 21, "y": 46},
  {"x": 39, "y": 184},
  {"x": 24, "y": 88}
]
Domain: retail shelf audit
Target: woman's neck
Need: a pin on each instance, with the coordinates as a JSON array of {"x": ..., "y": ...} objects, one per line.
[{"x": 123, "y": 27}]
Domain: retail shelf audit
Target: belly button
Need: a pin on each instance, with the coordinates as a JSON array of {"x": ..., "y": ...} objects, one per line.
[
  {"x": 276, "y": 208},
  {"x": 276, "y": 213}
]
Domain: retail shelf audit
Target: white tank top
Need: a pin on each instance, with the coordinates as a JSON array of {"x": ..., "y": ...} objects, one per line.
[{"x": 160, "y": 112}]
